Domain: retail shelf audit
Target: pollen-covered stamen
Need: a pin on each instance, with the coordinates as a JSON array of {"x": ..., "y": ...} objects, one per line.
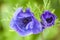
[
  {"x": 27, "y": 20},
  {"x": 49, "y": 20}
]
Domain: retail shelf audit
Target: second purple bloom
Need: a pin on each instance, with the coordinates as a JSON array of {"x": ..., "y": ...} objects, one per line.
[{"x": 48, "y": 19}]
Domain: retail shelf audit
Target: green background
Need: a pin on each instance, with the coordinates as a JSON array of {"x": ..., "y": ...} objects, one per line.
[{"x": 8, "y": 7}]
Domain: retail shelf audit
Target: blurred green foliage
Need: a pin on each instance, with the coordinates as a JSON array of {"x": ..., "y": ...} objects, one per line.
[{"x": 8, "y": 7}]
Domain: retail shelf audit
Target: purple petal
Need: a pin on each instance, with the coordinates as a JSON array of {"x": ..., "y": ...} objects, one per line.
[
  {"x": 48, "y": 18},
  {"x": 37, "y": 27},
  {"x": 25, "y": 23}
]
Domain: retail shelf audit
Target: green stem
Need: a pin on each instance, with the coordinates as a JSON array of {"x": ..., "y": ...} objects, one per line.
[
  {"x": 42, "y": 36},
  {"x": 23, "y": 38}
]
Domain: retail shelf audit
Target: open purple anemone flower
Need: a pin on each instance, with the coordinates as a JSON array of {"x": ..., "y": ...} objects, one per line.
[
  {"x": 24, "y": 22},
  {"x": 48, "y": 19}
]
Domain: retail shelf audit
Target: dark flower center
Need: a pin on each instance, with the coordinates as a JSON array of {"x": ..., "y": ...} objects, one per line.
[
  {"x": 27, "y": 20},
  {"x": 49, "y": 20},
  {"x": 23, "y": 22}
]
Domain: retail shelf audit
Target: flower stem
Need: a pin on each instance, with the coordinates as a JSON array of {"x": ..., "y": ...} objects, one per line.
[
  {"x": 42, "y": 36},
  {"x": 23, "y": 38}
]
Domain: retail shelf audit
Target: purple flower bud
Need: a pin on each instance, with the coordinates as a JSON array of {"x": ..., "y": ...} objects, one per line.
[
  {"x": 25, "y": 23},
  {"x": 48, "y": 19}
]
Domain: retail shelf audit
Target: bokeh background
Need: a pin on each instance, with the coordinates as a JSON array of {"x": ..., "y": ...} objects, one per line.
[{"x": 8, "y": 7}]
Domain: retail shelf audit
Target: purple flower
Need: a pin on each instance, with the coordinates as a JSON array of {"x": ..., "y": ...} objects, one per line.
[
  {"x": 25, "y": 23},
  {"x": 48, "y": 19}
]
